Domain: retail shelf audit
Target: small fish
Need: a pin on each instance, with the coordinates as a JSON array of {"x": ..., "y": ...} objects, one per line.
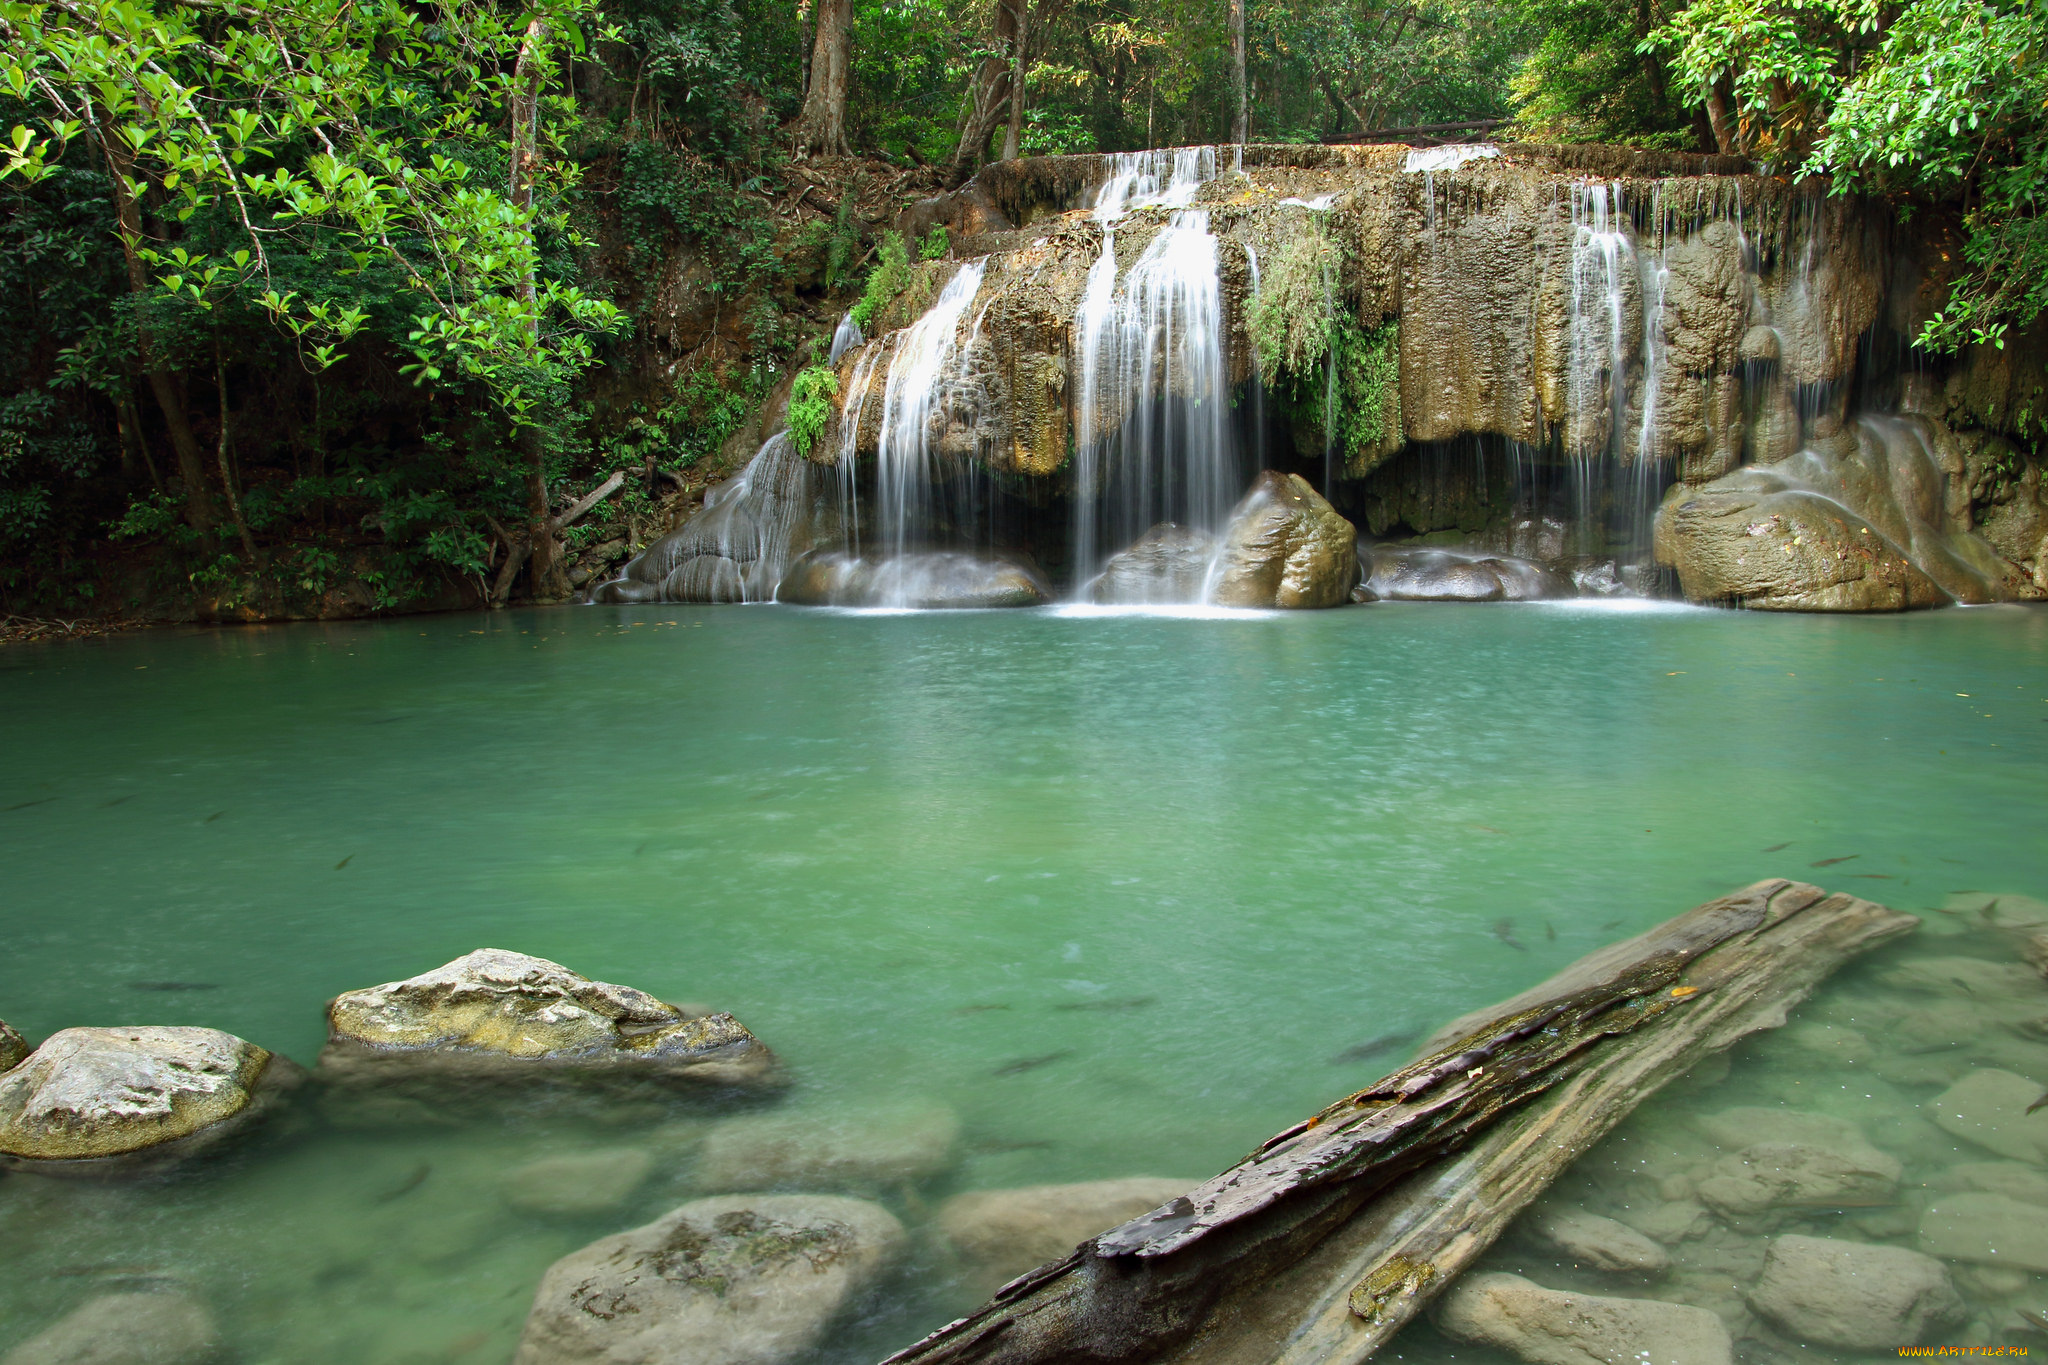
[
  {"x": 1133, "y": 1003},
  {"x": 640, "y": 850},
  {"x": 2038, "y": 1321},
  {"x": 213, "y": 817},
  {"x": 1490, "y": 829},
  {"x": 1023, "y": 1064},
  {"x": 1021, "y": 1145},
  {"x": 1374, "y": 1047},
  {"x": 1830, "y": 862},
  {"x": 1869, "y": 876},
  {"x": 109, "y": 805},
  {"x": 174, "y": 985},
  {"x": 24, "y": 805},
  {"x": 344, "y": 862},
  {"x": 1504, "y": 930},
  {"x": 413, "y": 1180},
  {"x": 2037, "y": 1104},
  {"x": 979, "y": 1009},
  {"x": 1777, "y": 848},
  {"x": 1963, "y": 984},
  {"x": 1550, "y": 931},
  {"x": 1611, "y": 924}
]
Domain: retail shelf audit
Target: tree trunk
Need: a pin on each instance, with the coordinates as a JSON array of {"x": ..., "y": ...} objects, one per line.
[
  {"x": 1020, "y": 68},
  {"x": 991, "y": 93},
  {"x": 526, "y": 82},
  {"x": 821, "y": 127},
  {"x": 220, "y": 454},
  {"x": 1721, "y": 118},
  {"x": 1240, "y": 127},
  {"x": 162, "y": 383}
]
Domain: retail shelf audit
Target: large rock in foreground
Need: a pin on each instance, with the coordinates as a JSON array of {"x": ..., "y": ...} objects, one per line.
[
  {"x": 14, "y": 1048},
  {"x": 1421, "y": 573},
  {"x": 1833, "y": 1293},
  {"x": 93, "y": 1100},
  {"x": 1000, "y": 1234},
  {"x": 741, "y": 1280},
  {"x": 505, "y": 1017},
  {"x": 1549, "y": 1327},
  {"x": 1285, "y": 547},
  {"x": 125, "y": 1329},
  {"x": 926, "y": 580}
]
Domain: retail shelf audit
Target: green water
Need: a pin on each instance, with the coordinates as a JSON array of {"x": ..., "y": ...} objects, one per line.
[{"x": 904, "y": 849}]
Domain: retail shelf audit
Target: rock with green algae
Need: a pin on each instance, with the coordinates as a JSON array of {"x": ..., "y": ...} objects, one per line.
[
  {"x": 736, "y": 1280},
  {"x": 504, "y": 1017},
  {"x": 14, "y": 1048},
  {"x": 1285, "y": 547},
  {"x": 103, "y": 1100}
]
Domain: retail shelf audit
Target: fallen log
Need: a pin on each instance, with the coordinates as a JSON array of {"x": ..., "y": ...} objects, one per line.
[{"x": 1321, "y": 1244}]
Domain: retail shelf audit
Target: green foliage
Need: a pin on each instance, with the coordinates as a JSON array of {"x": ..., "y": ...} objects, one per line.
[
  {"x": 1585, "y": 79},
  {"x": 810, "y": 405},
  {"x": 891, "y": 275},
  {"x": 936, "y": 244},
  {"x": 841, "y": 244},
  {"x": 1294, "y": 313}
]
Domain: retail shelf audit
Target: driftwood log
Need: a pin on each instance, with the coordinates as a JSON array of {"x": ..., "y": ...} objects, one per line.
[{"x": 1321, "y": 1244}]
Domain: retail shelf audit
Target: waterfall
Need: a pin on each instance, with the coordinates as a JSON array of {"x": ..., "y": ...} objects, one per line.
[
  {"x": 845, "y": 338},
  {"x": 913, "y": 402},
  {"x": 1152, "y": 364}
]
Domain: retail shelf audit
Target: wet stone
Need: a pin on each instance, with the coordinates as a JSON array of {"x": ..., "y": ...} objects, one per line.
[
  {"x": 739, "y": 1280},
  {"x": 14, "y": 1048},
  {"x": 1671, "y": 1223},
  {"x": 1551, "y": 1327},
  {"x": 578, "y": 1184},
  {"x": 860, "y": 1149},
  {"x": 1774, "y": 1176},
  {"x": 2013, "y": 1179},
  {"x": 1854, "y": 1294},
  {"x": 1989, "y": 1107},
  {"x": 125, "y": 1329},
  {"x": 1595, "y": 1243},
  {"x": 1000, "y": 1234},
  {"x": 1988, "y": 1229}
]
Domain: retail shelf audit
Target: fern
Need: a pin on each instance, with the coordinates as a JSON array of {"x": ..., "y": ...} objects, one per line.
[{"x": 810, "y": 405}]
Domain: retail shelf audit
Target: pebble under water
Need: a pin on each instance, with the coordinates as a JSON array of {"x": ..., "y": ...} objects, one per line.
[{"x": 1114, "y": 894}]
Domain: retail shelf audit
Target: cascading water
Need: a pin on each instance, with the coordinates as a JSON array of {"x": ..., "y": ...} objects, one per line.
[
  {"x": 844, "y": 338},
  {"x": 1153, "y": 435},
  {"x": 906, "y": 462}
]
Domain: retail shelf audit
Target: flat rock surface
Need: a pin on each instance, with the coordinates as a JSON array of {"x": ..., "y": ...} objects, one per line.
[
  {"x": 856, "y": 1149},
  {"x": 1000, "y": 1234},
  {"x": 1550, "y": 1327},
  {"x": 1853, "y": 1294},
  {"x": 740, "y": 1280},
  {"x": 506, "y": 1014},
  {"x": 1986, "y": 1229},
  {"x": 1596, "y": 1243},
  {"x": 1989, "y": 1107},
  {"x": 100, "y": 1093},
  {"x": 125, "y": 1329}
]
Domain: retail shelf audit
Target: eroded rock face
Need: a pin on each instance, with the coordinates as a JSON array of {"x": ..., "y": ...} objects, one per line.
[
  {"x": 503, "y": 1016},
  {"x": 125, "y": 1329},
  {"x": 741, "y": 1280},
  {"x": 1550, "y": 1327},
  {"x": 1169, "y": 563},
  {"x": 931, "y": 580},
  {"x": 1417, "y": 573},
  {"x": 1595, "y": 1243},
  {"x": 14, "y": 1048},
  {"x": 91, "y": 1100},
  {"x": 1000, "y": 1234},
  {"x": 1285, "y": 547},
  {"x": 858, "y": 1149},
  {"x": 1852, "y": 1294}
]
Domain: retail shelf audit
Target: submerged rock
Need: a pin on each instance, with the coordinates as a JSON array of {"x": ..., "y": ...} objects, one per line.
[
  {"x": 578, "y": 1184},
  {"x": 1596, "y": 1243},
  {"x": 1285, "y": 547},
  {"x": 928, "y": 580},
  {"x": 1420, "y": 573},
  {"x": 99, "y": 1099},
  {"x": 1987, "y": 1229},
  {"x": 1852, "y": 1294},
  {"x": 1550, "y": 1327},
  {"x": 125, "y": 1329},
  {"x": 1169, "y": 563},
  {"x": 1000, "y": 1234},
  {"x": 500, "y": 1016},
  {"x": 14, "y": 1048},
  {"x": 1989, "y": 1107},
  {"x": 740, "y": 1280},
  {"x": 1791, "y": 1175},
  {"x": 862, "y": 1149}
]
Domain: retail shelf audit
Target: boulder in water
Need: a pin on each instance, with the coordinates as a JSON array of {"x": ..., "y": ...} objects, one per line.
[
  {"x": 1827, "y": 1292},
  {"x": 1550, "y": 1327},
  {"x": 857, "y": 1149},
  {"x": 125, "y": 1329},
  {"x": 926, "y": 580},
  {"x": 14, "y": 1048},
  {"x": 1419, "y": 573},
  {"x": 1995, "y": 1109},
  {"x": 1792, "y": 1175},
  {"x": 1986, "y": 1229},
  {"x": 1285, "y": 547},
  {"x": 578, "y": 1184},
  {"x": 1596, "y": 1243},
  {"x": 96, "y": 1100},
  {"x": 503, "y": 1017},
  {"x": 1169, "y": 563},
  {"x": 738, "y": 1280},
  {"x": 1000, "y": 1234}
]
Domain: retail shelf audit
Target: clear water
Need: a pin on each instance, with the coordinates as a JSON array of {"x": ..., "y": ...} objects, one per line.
[{"x": 900, "y": 847}]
